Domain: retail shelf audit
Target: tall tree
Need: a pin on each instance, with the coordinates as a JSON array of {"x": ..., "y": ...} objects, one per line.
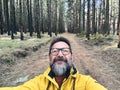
[
  {"x": 7, "y": 17},
  {"x": 30, "y": 21},
  {"x": 119, "y": 26},
  {"x": 1, "y": 18},
  {"x": 56, "y": 21},
  {"x": 107, "y": 26},
  {"x": 80, "y": 14},
  {"x": 49, "y": 17},
  {"x": 88, "y": 20},
  {"x": 24, "y": 15},
  {"x": 83, "y": 16},
  {"x": 12, "y": 18},
  {"x": 70, "y": 15},
  {"x": 61, "y": 22},
  {"x": 93, "y": 18},
  {"x": 42, "y": 17},
  {"x": 103, "y": 14},
  {"x": 99, "y": 17},
  {"x": 37, "y": 18},
  {"x": 76, "y": 17},
  {"x": 20, "y": 21}
]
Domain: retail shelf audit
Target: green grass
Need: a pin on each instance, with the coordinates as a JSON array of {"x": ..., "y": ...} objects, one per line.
[{"x": 7, "y": 45}]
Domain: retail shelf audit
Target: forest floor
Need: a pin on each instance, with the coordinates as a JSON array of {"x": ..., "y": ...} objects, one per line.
[{"x": 100, "y": 59}]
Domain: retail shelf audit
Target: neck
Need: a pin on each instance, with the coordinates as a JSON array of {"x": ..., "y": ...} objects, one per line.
[{"x": 59, "y": 79}]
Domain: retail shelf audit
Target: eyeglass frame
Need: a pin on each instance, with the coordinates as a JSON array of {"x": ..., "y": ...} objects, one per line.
[{"x": 60, "y": 49}]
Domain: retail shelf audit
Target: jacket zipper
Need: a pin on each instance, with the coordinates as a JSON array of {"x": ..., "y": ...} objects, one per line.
[{"x": 60, "y": 88}]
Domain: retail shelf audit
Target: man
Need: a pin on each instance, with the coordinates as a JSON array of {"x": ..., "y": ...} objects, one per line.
[{"x": 61, "y": 75}]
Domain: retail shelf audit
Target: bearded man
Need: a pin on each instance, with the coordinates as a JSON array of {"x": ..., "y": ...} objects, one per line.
[{"x": 61, "y": 75}]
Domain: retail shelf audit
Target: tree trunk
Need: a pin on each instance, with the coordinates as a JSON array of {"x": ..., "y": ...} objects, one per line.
[
  {"x": 119, "y": 26},
  {"x": 20, "y": 22},
  {"x": 24, "y": 16},
  {"x": 12, "y": 18},
  {"x": 49, "y": 17},
  {"x": 83, "y": 15},
  {"x": 114, "y": 20},
  {"x": 56, "y": 21},
  {"x": 80, "y": 16},
  {"x": 99, "y": 18},
  {"x": 37, "y": 18},
  {"x": 7, "y": 16},
  {"x": 1, "y": 18},
  {"x": 30, "y": 27},
  {"x": 61, "y": 18},
  {"x": 42, "y": 17},
  {"x": 93, "y": 18},
  {"x": 88, "y": 21},
  {"x": 107, "y": 29}
]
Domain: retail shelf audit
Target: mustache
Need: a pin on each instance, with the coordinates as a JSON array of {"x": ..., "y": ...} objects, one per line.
[{"x": 60, "y": 59}]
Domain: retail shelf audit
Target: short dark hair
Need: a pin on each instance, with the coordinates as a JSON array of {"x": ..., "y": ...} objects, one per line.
[{"x": 58, "y": 39}]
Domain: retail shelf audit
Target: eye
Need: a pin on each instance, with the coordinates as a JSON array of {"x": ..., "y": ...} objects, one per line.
[
  {"x": 54, "y": 51},
  {"x": 65, "y": 51}
]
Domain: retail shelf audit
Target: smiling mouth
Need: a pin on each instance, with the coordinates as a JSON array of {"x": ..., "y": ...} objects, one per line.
[{"x": 59, "y": 61}]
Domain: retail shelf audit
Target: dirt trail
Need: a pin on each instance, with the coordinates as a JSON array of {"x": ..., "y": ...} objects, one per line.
[{"x": 86, "y": 60}]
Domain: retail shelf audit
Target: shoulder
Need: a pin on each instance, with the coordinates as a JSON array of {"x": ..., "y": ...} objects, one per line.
[
  {"x": 83, "y": 77},
  {"x": 89, "y": 82},
  {"x": 41, "y": 76},
  {"x": 37, "y": 78},
  {"x": 86, "y": 79}
]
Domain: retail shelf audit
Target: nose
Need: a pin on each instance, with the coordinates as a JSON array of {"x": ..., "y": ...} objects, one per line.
[{"x": 60, "y": 53}]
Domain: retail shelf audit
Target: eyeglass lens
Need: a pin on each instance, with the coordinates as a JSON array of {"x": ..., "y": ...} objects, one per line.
[{"x": 55, "y": 51}]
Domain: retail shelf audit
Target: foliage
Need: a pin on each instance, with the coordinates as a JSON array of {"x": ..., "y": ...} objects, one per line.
[
  {"x": 100, "y": 39},
  {"x": 81, "y": 34}
]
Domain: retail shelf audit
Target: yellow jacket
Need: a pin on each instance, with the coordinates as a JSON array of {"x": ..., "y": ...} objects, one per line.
[{"x": 47, "y": 81}]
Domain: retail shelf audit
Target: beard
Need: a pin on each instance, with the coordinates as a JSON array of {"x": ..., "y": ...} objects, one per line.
[{"x": 60, "y": 69}]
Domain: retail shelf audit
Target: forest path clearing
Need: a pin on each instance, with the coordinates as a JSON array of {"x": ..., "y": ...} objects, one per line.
[{"x": 86, "y": 59}]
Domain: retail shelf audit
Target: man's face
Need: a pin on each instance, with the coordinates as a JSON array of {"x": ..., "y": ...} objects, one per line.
[{"x": 60, "y": 58}]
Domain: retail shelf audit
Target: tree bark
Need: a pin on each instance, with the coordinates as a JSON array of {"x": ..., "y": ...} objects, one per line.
[
  {"x": 119, "y": 27},
  {"x": 49, "y": 17},
  {"x": 20, "y": 22},
  {"x": 88, "y": 21},
  {"x": 30, "y": 25},
  {"x": 1, "y": 18},
  {"x": 93, "y": 18},
  {"x": 12, "y": 19},
  {"x": 7, "y": 16}
]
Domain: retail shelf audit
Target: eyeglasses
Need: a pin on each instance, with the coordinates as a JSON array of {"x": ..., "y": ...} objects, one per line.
[{"x": 55, "y": 51}]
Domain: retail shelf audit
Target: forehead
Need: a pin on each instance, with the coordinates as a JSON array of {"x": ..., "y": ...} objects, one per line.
[{"x": 60, "y": 44}]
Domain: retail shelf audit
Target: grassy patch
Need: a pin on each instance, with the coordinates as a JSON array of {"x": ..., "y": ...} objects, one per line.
[{"x": 7, "y": 45}]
